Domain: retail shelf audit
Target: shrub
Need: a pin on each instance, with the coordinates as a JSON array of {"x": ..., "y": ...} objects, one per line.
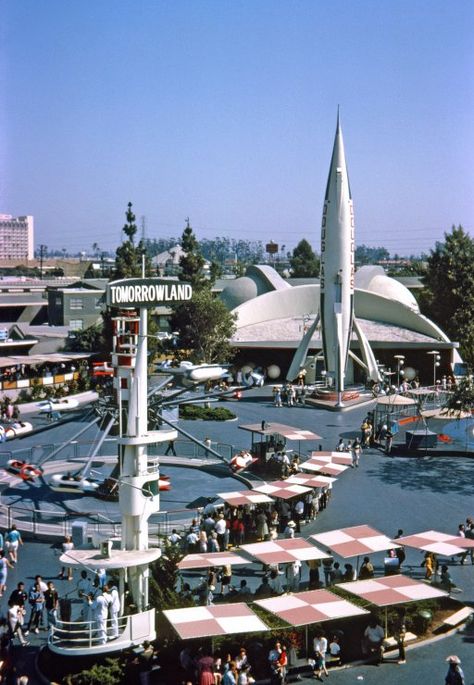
[
  {"x": 194, "y": 411},
  {"x": 109, "y": 673},
  {"x": 36, "y": 389},
  {"x": 23, "y": 396}
]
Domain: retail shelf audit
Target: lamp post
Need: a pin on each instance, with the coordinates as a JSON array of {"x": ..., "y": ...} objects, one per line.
[
  {"x": 400, "y": 372},
  {"x": 436, "y": 362}
]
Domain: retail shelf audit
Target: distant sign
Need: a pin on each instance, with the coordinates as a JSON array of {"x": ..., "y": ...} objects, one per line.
[
  {"x": 271, "y": 247},
  {"x": 146, "y": 292}
]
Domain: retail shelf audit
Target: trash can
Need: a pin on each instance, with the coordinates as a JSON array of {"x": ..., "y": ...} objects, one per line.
[
  {"x": 79, "y": 533},
  {"x": 65, "y": 609},
  {"x": 391, "y": 566},
  {"x": 106, "y": 548},
  {"x": 423, "y": 620}
]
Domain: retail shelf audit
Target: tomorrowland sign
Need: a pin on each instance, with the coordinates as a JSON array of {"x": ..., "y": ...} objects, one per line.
[{"x": 146, "y": 292}]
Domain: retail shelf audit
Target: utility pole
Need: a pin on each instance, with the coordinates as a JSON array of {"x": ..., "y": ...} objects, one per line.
[
  {"x": 102, "y": 264},
  {"x": 42, "y": 254}
]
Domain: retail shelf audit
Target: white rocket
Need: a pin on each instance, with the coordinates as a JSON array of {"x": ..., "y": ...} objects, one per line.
[{"x": 337, "y": 268}]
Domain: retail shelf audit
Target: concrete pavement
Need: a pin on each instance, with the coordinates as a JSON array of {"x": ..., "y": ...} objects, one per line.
[{"x": 389, "y": 493}]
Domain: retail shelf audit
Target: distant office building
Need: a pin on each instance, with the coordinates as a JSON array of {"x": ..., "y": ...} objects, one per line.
[{"x": 16, "y": 237}]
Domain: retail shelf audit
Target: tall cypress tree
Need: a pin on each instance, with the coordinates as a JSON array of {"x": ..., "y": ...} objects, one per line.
[
  {"x": 128, "y": 257},
  {"x": 192, "y": 261}
]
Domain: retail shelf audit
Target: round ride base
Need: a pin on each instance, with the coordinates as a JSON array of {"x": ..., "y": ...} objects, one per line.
[
  {"x": 328, "y": 399},
  {"x": 332, "y": 396}
]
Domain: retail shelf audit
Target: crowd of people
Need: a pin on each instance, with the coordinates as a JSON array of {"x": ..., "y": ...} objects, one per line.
[
  {"x": 18, "y": 372},
  {"x": 224, "y": 526},
  {"x": 290, "y": 395}
]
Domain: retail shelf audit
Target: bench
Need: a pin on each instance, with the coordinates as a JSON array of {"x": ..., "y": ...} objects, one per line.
[
  {"x": 458, "y": 617},
  {"x": 391, "y": 642}
]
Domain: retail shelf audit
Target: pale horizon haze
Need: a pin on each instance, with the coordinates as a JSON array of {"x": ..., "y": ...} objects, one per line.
[{"x": 226, "y": 111}]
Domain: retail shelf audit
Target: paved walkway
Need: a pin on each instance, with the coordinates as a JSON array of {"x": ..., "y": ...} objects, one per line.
[{"x": 388, "y": 492}]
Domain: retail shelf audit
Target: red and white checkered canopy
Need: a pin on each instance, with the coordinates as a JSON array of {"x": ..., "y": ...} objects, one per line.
[
  {"x": 392, "y": 590},
  {"x": 318, "y": 466},
  {"x": 313, "y": 606},
  {"x": 222, "y": 619},
  {"x": 288, "y": 432},
  {"x": 210, "y": 559},
  {"x": 354, "y": 541},
  {"x": 335, "y": 457},
  {"x": 311, "y": 481},
  {"x": 236, "y": 499},
  {"x": 282, "y": 489},
  {"x": 439, "y": 543},
  {"x": 283, "y": 551}
]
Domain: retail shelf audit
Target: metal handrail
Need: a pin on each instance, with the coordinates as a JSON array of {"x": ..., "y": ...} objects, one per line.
[
  {"x": 28, "y": 521},
  {"x": 65, "y": 631},
  {"x": 226, "y": 450}
]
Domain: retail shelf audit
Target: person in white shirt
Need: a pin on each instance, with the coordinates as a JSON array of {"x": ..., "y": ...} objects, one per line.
[
  {"x": 373, "y": 639},
  {"x": 174, "y": 538},
  {"x": 293, "y": 576},
  {"x": 114, "y": 610},
  {"x": 191, "y": 541},
  {"x": 275, "y": 583},
  {"x": 220, "y": 529},
  {"x": 84, "y": 588},
  {"x": 15, "y": 618},
  {"x": 335, "y": 648},
  {"x": 285, "y": 465},
  {"x": 320, "y": 646},
  {"x": 100, "y": 612},
  {"x": 299, "y": 514}
]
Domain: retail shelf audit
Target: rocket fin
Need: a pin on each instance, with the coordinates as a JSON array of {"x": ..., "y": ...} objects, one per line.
[
  {"x": 367, "y": 353},
  {"x": 357, "y": 359},
  {"x": 301, "y": 352}
]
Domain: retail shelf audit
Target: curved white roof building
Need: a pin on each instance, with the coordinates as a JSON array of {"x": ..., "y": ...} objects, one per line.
[{"x": 272, "y": 316}]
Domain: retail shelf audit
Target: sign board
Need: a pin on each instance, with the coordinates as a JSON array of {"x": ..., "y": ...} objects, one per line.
[
  {"x": 271, "y": 247},
  {"x": 146, "y": 292}
]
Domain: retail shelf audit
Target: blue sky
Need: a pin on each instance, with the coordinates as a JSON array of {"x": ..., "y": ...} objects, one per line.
[{"x": 225, "y": 112}]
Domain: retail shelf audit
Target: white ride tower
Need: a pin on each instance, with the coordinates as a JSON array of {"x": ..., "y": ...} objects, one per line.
[{"x": 138, "y": 500}]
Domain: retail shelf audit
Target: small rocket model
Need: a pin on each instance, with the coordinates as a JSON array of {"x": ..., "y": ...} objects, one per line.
[{"x": 337, "y": 268}]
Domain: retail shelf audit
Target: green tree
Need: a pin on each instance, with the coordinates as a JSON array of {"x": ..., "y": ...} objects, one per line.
[
  {"x": 304, "y": 263},
  {"x": 448, "y": 294},
  {"x": 128, "y": 264},
  {"x": 109, "y": 673},
  {"x": 461, "y": 399},
  {"x": 128, "y": 257},
  {"x": 192, "y": 262},
  {"x": 90, "y": 339},
  {"x": 204, "y": 326},
  {"x": 215, "y": 272},
  {"x": 370, "y": 255},
  {"x": 164, "y": 580}
]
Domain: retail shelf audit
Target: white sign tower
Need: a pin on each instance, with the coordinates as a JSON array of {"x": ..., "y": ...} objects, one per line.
[{"x": 138, "y": 481}]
